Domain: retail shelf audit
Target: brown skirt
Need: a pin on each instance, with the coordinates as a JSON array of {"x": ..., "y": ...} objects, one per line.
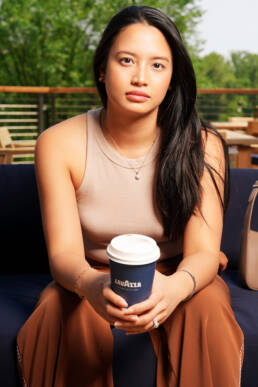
[{"x": 65, "y": 343}]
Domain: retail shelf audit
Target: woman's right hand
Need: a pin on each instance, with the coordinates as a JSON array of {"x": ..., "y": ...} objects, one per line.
[{"x": 108, "y": 304}]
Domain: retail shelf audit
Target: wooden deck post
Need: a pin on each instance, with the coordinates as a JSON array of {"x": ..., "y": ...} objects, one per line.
[
  {"x": 40, "y": 113},
  {"x": 53, "y": 109}
]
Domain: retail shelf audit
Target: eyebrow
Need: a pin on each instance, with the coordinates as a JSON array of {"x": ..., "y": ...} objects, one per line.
[{"x": 133, "y": 54}]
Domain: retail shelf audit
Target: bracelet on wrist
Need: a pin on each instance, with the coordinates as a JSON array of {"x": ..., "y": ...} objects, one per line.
[
  {"x": 194, "y": 284},
  {"x": 76, "y": 289}
]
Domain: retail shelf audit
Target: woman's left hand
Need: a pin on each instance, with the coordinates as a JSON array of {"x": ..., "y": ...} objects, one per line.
[{"x": 167, "y": 293}]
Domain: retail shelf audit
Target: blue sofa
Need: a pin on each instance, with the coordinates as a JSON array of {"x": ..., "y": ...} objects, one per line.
[{"x": 25, "y": 271}]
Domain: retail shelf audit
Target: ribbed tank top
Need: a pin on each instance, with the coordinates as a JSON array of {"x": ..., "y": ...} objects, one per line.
[{"x": 111, "y": 202}]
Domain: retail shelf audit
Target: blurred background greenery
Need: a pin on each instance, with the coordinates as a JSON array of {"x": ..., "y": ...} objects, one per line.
[{"x": 51, "y": 43}]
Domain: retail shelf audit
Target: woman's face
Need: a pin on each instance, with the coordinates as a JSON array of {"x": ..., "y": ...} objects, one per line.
[{"x": 139, "y": 69}]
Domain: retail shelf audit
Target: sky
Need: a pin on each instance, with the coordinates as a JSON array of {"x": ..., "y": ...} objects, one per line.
[{"x": 229, "y": 25}]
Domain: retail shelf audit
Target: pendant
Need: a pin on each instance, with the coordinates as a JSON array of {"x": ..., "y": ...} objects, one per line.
[{"x": 137, "y": 177}]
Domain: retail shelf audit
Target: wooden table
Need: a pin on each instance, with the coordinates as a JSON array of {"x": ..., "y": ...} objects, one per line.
[
  {"x": 245, "y": 146},
  {"x": 230, "y": 125}
]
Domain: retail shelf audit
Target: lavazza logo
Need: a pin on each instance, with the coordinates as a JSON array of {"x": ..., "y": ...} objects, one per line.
[{"x": 128, "y": 284}]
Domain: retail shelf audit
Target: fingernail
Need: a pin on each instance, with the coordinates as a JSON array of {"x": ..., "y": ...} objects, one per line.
[
  {"x": 116, "y": 324},
  {"x": 124, "y": 303}
]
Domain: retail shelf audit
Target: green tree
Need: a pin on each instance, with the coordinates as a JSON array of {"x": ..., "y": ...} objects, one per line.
[
  {"x": 245, "y": 70},
  {"x": 50, "y": 42},
  {"x": 42, "y": 42},
  {"x": 213, "y": 71}
]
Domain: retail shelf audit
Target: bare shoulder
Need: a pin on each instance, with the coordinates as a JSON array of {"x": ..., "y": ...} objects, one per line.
[
  {"x": 65, "y": 144},
  {"x": 65, "y": 133},
  {"x": 213, "y": 149},
  {"x": 214, "y": 156}
]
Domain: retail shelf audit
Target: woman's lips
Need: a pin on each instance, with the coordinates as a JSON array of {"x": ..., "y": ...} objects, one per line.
[{"x": 137, "y": 96}]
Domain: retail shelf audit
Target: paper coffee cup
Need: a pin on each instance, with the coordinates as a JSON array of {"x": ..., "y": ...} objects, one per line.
[{"x": 133, "y": 260}]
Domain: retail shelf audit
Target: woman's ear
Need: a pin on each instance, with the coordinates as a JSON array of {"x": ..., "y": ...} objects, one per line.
[{"x": 102, "y": 77}]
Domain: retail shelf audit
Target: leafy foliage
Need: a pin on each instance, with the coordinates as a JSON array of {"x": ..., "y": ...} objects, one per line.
[
  {"x": 50, "y": 42},
  {"x": 239, "y": 71}
]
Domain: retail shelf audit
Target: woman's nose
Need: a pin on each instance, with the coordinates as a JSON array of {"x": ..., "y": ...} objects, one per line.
[{"x": 139, "y": 77}]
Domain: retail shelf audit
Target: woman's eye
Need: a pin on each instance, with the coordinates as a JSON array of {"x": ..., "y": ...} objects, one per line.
[
  {"x": 126, "y": 60},
  {"x": 158, "y": 66}
]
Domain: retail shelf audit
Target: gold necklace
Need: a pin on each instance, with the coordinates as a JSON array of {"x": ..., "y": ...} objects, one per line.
[{"x": 136, "y": 170}]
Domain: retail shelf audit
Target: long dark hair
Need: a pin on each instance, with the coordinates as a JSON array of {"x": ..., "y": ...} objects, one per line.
[{"x": 181, "y": 159}]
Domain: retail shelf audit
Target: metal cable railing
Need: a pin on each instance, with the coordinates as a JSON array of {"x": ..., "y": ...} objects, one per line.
[{"x": 47, "y": 105}]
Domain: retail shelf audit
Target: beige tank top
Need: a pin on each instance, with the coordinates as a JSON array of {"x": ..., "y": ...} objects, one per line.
[{"x": 111, "y": 202}]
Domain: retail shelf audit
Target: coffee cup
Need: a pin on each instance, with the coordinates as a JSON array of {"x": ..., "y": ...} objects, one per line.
[{"x": 133, "y": 260}]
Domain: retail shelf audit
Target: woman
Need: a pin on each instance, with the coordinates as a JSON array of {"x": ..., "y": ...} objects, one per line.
[{"x": 144, "y": 163}]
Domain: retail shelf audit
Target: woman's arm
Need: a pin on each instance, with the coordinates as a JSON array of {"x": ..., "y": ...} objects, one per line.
[
  {"x": 56, "y": 150},
  {"x": 202, "y": 236},
  {"x": 59, "y": 212},
  {"x": 201, "y": 249}
]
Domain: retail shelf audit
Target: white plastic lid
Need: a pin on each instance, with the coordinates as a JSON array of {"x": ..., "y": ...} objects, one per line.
[{"x": 133, "y": 249}]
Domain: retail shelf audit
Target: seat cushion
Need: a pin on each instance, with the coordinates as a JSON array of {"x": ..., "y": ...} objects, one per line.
[
  {"x": 245, "y": 307},
  {"x": 21, "y": 232},
  {"x": 18, "y": 296},
  {"x": 128, "y": 368},
  {"x": 240, "y": 188},
  {"x": 254, "y": 159}
]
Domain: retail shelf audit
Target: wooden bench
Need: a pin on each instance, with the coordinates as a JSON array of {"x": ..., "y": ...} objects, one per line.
[
  {"x": 22, "y": 122},
  {"x": 19, "y": 131},
  {"x": 11, "y": 153}
]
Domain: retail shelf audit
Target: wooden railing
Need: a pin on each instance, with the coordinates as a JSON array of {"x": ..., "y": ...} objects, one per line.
[
  {"x": 41, "y": 104},
  {"x": 65, "y": 90},
  {"x": 46, "y": 90},
  {"x": 228, "y": 91},
  {"x": 28, "y": 110}
]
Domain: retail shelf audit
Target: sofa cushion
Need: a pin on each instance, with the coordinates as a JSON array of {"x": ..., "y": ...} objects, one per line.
[
  {"x": 22, "y": 241},
  {"x": 128, "y": 368},
  {"x": 240, "y": 187},
  {"x": 18, "y": 296},
  {"x": 245, "y": 307}
]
